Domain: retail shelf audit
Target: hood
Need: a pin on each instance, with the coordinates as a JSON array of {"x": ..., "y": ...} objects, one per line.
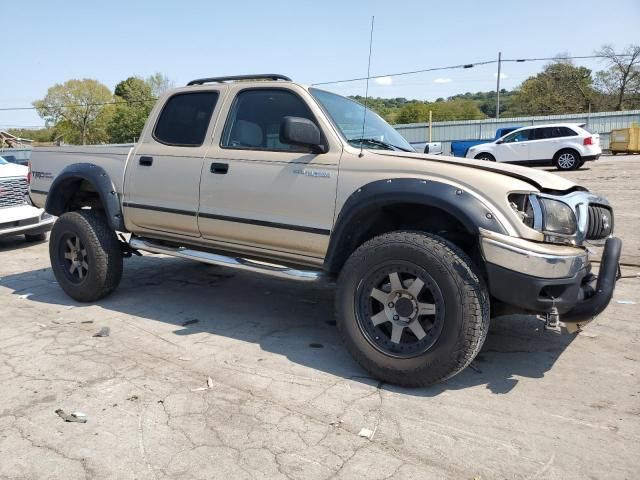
[
  {"x": 543, "y": 181},
  {"x": 13, "y": 170}
]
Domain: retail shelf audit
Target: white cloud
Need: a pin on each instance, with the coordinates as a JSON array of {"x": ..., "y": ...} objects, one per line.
[
  {"x": 502, "y": 75},
  {"x": 442, "y": 80},
  {"x": 383, "y": 80}
]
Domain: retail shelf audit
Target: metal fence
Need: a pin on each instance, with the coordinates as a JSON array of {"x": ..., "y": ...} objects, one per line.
[{"x": 601, "y": 123}]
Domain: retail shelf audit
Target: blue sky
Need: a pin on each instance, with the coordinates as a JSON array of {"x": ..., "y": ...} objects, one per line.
[{"x": 311, "y": 41}]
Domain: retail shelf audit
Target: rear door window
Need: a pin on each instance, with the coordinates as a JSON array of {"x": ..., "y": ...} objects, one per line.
[{"x": 185, "y": 118}]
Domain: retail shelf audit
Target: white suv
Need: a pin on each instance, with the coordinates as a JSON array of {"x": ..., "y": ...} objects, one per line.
[{"x": 565, "y": 145}]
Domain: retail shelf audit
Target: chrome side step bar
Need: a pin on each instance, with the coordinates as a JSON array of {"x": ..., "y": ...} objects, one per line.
[{"x": 273, "y": 270}]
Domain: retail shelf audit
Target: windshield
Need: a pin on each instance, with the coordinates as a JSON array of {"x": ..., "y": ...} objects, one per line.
[
  {"x": 347, "y": 116},
  {"x": 2, "y": 160}
]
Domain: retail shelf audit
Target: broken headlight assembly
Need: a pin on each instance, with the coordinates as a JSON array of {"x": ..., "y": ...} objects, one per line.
[{"x": 554, "y": 218}]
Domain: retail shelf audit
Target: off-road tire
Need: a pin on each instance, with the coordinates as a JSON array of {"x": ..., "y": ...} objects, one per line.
[
  {"x": 103, "y": 254},
  {"x": 466, "y": 312},
  {"x": 487, "y": 157},
  {"x": 557, "y": 162},
  {"x": 36, "y": 237}
]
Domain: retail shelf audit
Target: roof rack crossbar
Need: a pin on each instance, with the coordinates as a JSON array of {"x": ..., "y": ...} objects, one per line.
[{"x": 262, "y": 76}]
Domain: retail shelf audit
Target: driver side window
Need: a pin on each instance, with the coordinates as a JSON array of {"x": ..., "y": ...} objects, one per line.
[
  {"x": 521, "y": 136},
  {"x": 255, "y": 118}
]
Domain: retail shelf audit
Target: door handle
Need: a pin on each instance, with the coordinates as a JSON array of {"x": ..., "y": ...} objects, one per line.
[
  {"x": 145, "y": 161},
  {"x": 219, "y": 168}
]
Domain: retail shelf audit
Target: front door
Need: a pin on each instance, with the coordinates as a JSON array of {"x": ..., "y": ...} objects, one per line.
[
  {"x": 163, "y": 178},
  {"x": 514, "y": 147},
  {"x": 258, "y": 192}
]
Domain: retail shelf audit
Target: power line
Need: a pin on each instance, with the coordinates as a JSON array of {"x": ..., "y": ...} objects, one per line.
[
  {"x": 468, "y": 65},
  {"x": 398, "y": 74}
]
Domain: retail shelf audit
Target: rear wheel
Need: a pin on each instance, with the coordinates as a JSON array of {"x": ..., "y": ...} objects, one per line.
[
  {"x": 485, "y": 156},
  {"x": 567, "y": 160},
  {"x": 85, "y": 255},
  {"x": 411, "y": 308}
]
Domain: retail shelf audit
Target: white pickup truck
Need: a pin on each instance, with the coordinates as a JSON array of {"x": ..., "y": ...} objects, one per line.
[
  {"x": 268, "y": 175},
  {"x": 17, "y": 215}
]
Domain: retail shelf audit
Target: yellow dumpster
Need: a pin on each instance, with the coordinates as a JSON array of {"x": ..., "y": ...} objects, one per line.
[{"x": 625, "y": 140}]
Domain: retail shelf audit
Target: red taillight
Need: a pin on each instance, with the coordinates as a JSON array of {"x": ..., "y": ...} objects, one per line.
[
  {"x": 29, "y": 174},
  {"x": 588, "y": 141}
]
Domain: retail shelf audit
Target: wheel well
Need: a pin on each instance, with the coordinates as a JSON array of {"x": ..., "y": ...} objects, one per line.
[
  {"x": 487, "y": 154},
  {"x": 406, "y": 216},
  {"x": 572, "y": 150},
  {"x": 74, "y": 194}
]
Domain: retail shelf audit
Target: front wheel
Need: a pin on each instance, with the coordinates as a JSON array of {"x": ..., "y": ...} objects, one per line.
[
  {"x": 85, "y": 255},
  {"x": 412, "y": 309}
]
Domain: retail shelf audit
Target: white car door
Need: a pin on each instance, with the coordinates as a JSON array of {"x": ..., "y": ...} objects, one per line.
[{"x": 514, "y": 147}]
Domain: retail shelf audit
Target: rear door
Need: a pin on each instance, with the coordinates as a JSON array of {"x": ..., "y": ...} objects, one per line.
[
  {"x": 514, "y": 147},
  {"x": 162, "y": 179}
]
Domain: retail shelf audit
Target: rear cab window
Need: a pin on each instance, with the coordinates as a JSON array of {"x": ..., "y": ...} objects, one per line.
[{"x": 185, "y": 118}]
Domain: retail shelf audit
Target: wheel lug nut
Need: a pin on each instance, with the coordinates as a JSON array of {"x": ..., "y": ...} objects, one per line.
[
  {"x": 396, "y": 317},
  {"x": 391, "y": 304}
]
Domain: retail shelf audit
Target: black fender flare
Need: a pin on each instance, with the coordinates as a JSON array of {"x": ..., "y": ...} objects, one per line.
[
  {"x": 471, "y": 212},
  {"x": 60, "y": 191}
]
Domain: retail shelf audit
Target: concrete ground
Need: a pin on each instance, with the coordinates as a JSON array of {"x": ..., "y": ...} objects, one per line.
[{"x": 285, "y": 400}]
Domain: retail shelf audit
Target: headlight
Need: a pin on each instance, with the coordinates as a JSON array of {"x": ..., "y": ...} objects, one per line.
[
  {"x": 557, "y": 217},
  {"x": 544, "y": 214}
]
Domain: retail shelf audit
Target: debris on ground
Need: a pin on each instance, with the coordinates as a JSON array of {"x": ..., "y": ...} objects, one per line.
[
  {"x": 87, "y": 321},
  {"x": 190, "y": 321},
  {"x": 202, "y": 389},
  {"x": 77, "y": 417},
  {"x": 366, "y": 433},
  {"x": 185, "y": 359},
  {"x": 26, "y": 295},
  {"x": 316, "y": 345},
  {"x": 336, "y": 423},
  {"x": 474, "y": 367},
  {"x": 133, "y": 398},
  {"x": 626, "y": 302},
  {"x": 104, "y": 332}
]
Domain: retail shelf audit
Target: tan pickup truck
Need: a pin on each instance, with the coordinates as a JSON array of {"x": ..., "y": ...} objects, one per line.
[{"x": 264, "y": 174}]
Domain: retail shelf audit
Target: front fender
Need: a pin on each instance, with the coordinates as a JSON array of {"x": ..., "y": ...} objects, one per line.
[
  {"x": 470, "y": 211},
  {"x": 67, "y": 182}
]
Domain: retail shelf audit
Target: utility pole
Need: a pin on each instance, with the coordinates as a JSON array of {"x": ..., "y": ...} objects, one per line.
[
  {"x": 498, "y": 86},
  {"x": 430, "y": 124}
]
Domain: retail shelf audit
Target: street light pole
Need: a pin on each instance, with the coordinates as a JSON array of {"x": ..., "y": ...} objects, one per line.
[{"x": 498, "y": 86}]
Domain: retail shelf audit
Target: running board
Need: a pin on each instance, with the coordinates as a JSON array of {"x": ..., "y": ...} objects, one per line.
[{"x": 273, "y": 270}]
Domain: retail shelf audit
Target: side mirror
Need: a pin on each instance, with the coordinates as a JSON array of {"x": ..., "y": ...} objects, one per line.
[
  {"x": 301, "y": 131},
  {"x": 498, "y": 142}
]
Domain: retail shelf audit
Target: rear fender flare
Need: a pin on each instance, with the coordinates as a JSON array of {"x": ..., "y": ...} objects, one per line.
[{"x": 62, "y": 190}]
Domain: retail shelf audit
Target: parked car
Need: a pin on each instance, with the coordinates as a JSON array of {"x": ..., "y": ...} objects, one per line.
[
  {"x": 17, "y": 215},
  {"x": 565, "y": 145},
  {"x": 271, "y": 176},
  {"x": 459, "y": 148},
  {"x": 432, "y": 148}
]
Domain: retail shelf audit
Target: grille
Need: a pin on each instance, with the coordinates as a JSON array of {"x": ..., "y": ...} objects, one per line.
[
  {"x": 13, "y": 191},
  {"x": 600, "y": 222}
]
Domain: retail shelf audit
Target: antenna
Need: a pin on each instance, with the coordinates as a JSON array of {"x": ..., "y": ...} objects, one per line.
[{"x": 366, "y": 93}]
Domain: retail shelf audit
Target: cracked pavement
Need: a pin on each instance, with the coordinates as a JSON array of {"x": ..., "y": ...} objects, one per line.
[{"x": 286, "y": 400}]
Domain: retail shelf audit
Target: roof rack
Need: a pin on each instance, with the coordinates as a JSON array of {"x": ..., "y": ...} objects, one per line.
[{"x": 262, "y": 76}]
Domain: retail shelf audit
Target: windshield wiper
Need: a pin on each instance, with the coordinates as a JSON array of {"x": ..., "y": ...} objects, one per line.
[{"x": 380, "y": 143}]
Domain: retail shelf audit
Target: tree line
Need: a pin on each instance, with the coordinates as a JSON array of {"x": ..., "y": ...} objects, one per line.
[{"x": 86, "y": 111}]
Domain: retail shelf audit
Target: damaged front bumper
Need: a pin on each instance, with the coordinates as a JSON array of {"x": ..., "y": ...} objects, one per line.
[{"x": 549, "y": 279}]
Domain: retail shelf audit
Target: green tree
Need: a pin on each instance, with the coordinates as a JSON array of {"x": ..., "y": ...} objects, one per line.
[
  {"x": 77, "y": 109},
  {"x": 134, "y": 101},
  {"x": 560, "y": 88},
  {"x": 413, "y": 112},
  {"x": 159, "y": 84},
  {"x": 621, "y": 81}
]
